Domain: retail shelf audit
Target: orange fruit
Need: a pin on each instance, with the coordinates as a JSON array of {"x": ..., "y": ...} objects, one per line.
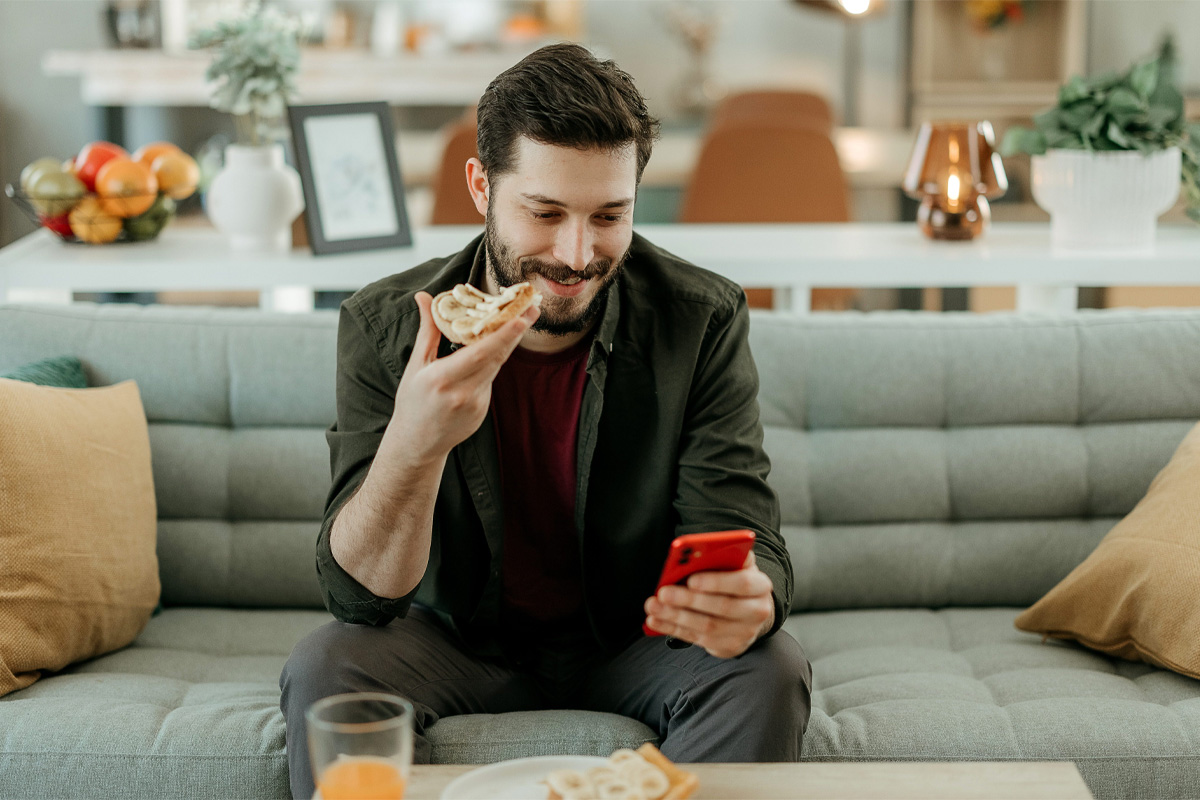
[
  {"x": 90, "y": 223},
  {"x": 92, "y": 157},
  {"x": 126, "y": 187},
  {"x": 177, "y": 174},
  {"x": 148, "y": 152}
]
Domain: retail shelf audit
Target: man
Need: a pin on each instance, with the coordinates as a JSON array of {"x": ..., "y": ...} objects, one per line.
[{"x": 500, "y": 513}]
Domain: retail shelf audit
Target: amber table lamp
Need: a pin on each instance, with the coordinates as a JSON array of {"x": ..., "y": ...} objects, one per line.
[{"x": 953, "y": 171}]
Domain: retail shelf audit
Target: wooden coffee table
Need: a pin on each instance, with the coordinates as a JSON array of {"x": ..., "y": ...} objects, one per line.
[{"x": 959, "y": 780}]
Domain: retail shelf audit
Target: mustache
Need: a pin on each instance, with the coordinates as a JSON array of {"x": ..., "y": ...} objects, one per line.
[{"x": 561, "y": 272}]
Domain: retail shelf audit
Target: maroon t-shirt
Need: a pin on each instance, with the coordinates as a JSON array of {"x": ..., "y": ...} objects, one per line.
[{"x": 535, "y": 405}]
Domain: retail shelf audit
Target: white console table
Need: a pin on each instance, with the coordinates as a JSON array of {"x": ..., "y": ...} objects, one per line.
[{"x": 794, "y": 258}]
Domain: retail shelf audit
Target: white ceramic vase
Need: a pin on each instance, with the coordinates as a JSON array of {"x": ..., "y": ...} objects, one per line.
[
  {"x": 1105, "y": 201},
  {"x": 254, "y": 198}
]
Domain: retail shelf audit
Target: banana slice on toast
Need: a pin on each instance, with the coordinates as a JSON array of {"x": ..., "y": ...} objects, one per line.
[
  {"x": 642, "y": 774},
  {"x": 465, "y": 314}
]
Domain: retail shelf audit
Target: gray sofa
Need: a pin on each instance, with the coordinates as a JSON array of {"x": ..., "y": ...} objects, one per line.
[{"x": 937, "y": 474}]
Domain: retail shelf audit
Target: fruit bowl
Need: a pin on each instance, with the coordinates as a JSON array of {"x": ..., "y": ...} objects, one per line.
[
  {"x": 85, "y": 219},
  {"x": 105, "y": 194}
]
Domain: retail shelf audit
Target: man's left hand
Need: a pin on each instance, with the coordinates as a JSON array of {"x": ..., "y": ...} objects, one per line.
[{"x": 723, "y": 612}]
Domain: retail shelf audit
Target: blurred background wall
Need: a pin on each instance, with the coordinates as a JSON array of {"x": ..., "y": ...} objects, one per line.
[{"x": 756, "y": 42}]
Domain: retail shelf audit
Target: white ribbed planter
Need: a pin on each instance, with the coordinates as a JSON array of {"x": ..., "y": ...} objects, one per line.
[
  {"x": 254, "y": 198},
  {"x": 1105, "y": 201}
]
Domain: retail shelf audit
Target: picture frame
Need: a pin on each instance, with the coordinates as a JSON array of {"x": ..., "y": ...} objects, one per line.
[{"x": 353, "y": 191}]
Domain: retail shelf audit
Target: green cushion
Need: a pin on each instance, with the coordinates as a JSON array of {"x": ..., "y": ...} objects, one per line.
[{"x": 63, "y": 371}]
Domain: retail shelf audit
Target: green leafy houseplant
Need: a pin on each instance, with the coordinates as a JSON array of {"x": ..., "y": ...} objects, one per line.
[
  {"x": 1139, "y": 110},
  {"x": 254, "y": 69}
]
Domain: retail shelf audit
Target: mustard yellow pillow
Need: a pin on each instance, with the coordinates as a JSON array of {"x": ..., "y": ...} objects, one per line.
[
  {"x": 1137, "y": 596},
  {"x": 78, "y": 570}
]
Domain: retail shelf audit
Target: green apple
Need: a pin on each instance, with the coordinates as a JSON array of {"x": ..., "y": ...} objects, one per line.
[
  {"x": 34, "y": 167},
  {"x": 54, "y": 193},
  {"x": 150, "y": 222}
]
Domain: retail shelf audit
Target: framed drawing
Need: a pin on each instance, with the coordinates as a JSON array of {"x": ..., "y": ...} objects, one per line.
[{"x": 353, "y": 193}]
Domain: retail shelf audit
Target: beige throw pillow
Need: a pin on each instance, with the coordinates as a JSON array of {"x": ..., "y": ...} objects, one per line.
[
  {"x": 1137, "y": 596},
  {"x": 78, "y": 571}
]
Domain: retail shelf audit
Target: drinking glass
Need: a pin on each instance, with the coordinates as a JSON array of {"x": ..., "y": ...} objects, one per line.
[{"x": 360, "y": 745}]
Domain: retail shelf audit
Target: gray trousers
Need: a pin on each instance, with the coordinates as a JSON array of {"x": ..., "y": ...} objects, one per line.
[{"x": 753, "y": 708}]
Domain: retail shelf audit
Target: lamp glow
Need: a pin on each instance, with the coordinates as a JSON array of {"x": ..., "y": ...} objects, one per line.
[
  {"x": 855, "y": 7},
  {"x": 952, "y": 188}
]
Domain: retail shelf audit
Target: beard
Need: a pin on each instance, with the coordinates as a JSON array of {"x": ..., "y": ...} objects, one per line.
[{"x": 561, "y": 316}]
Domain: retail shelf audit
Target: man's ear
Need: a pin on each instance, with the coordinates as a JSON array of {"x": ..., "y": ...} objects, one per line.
[{"x": 477, "y": 184}]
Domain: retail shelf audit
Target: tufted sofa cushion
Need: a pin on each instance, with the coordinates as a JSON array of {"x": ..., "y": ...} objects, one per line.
[
  {"x": 899, "y": 684},
  {"x": 237, "y": 403},
  {"x": 192, "y": 708},
  {"x": 964, "y": 459}
]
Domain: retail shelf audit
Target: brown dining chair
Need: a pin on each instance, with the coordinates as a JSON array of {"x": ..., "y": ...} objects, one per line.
[
  {"x": 452, "y": 203},
  {"x": 783, "y": 106},
  {"x": 770, "y": 173}
]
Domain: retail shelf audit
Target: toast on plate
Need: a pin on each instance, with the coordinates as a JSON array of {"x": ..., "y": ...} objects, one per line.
[{"x": 642, "y": 774}]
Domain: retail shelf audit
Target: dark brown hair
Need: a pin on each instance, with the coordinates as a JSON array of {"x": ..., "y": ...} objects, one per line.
[{"x": 562, "y": 95}]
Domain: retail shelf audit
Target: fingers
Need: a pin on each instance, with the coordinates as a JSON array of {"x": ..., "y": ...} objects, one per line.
[
  {"x": 719, "y": 636},
  {"x": 741, "y": 583},
  {"x": 722, "y": 642},
  {"x": 724, "y": 615},
  {"x": 692, "y": 605},
  {"x": 532, "y": 313},
  {"x": 428, "y": 336},
  {"x": 484, "y": 359}
]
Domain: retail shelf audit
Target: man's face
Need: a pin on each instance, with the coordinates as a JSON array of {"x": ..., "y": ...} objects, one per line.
[{"x": 562, "y": 219}]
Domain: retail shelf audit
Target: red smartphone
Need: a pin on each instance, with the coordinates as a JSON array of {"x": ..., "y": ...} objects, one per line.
[{"x": 702, "y": 552}]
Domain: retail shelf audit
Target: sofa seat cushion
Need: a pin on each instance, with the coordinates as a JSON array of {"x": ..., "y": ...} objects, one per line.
[
  {"x": 191, "y": 710},
  {"x": 964, "y": 684}
]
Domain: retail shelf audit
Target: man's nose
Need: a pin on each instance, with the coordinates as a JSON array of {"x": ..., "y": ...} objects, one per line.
[{"x": 575, "y": 245}]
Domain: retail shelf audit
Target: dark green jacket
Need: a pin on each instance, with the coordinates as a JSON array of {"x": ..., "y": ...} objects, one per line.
[{"x": 669, "y": 442}]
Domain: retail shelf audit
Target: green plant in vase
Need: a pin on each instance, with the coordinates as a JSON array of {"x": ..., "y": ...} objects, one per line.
[
  {"x": 256, "y": 195},
  {"x": 1138, "y": 110},
  {"x": 254, "y": 69}
]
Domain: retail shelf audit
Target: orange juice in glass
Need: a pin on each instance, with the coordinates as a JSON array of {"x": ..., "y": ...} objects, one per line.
[{"x": 360, "y": 745}]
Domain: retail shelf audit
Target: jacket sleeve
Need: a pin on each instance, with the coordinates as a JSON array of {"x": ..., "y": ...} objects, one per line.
[
  {"x": 366, "y": 396},
  {"x": 722, "y": 465}
]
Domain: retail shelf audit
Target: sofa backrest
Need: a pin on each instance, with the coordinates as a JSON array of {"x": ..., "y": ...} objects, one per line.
[
  {"x": 237, "y": 403},
  {"x": 931, "y": 460},
  {"x": 920, "y": 459}
]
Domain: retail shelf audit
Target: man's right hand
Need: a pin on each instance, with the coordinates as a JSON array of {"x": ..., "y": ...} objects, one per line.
[{"x": 442, "y": 401}]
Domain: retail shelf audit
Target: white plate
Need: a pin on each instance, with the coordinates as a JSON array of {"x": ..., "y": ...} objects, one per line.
[{"x": 518, "y": 779}]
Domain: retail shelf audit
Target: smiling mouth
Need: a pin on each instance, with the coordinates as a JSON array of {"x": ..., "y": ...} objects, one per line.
[{"x": 574, "y": 279}]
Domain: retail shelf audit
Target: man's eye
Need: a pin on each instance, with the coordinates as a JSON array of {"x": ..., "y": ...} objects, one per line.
[
  {"x": 544, "y": 214},
  {"x": 611, "y": 217}
]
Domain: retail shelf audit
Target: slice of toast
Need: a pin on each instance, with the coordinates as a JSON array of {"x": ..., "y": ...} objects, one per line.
[
  {"x": 682, "y": 783},
  {"x": 465, "y": 314}
]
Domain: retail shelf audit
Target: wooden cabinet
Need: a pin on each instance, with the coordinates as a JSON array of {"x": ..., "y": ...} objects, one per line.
[{"x": 1000, "y": 74}]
